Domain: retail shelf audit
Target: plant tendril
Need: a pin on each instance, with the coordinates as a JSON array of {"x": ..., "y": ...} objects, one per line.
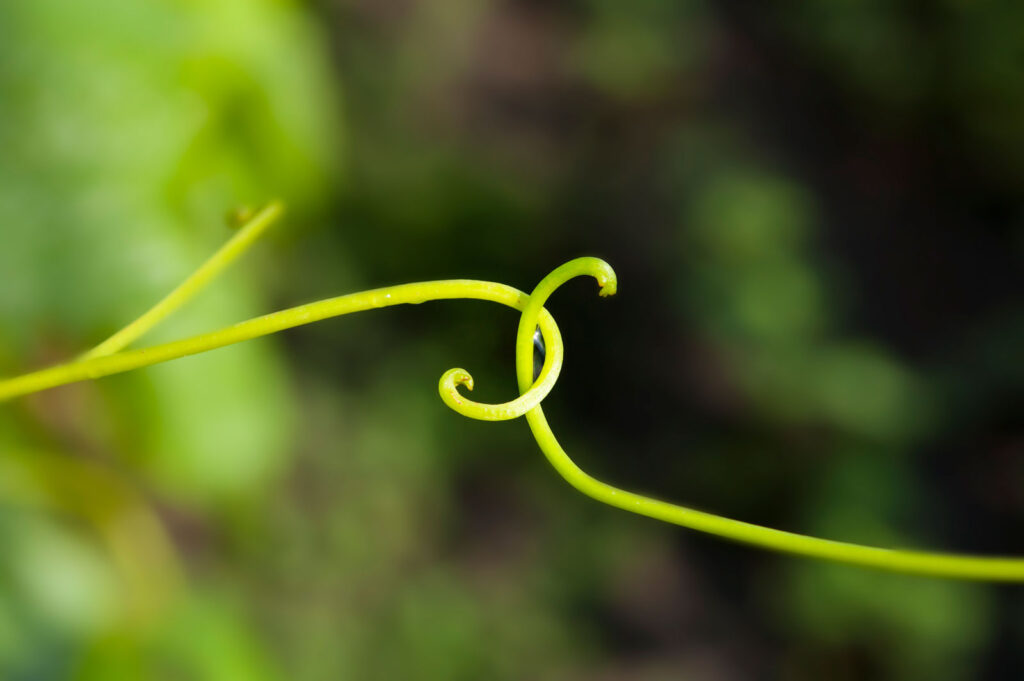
[
  {"x": 252, "y": 228},
  {"x": 108, "y": 358},
  {"x": 553, "y": 358}
]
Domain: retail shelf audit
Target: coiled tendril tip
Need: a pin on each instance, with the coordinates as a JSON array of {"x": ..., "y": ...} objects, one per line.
[
  {"x": 607, "y": 282},
  {"x": 534, "y": 315}
]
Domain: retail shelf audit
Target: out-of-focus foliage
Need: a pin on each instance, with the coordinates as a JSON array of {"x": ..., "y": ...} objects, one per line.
[
  {"x": 127, "y": 130},
  {"x": 814, "y": 212}
]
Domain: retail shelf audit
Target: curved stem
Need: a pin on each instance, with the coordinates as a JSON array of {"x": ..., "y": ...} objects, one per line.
[
  {"x": 896, "y": 560},
  {"x": 422, "y": 292},
  {"x": 533, "y": 314},
  {"x": 553, "y": 358},
  {"x": 252, "y": 230}
]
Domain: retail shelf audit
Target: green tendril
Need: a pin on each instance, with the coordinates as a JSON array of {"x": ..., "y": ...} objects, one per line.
[
  {"x": 252, "y": 228},
  {"x": 553, "y": 358},
  {"x": 97, "y": 367},
  {"x": 896, "y": 560},
  {"x": 106, "y": 359}
]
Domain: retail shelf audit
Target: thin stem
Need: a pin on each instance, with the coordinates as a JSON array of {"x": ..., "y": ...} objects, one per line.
[
  {"x": 533, "y": 314},
  {"x": 253, "y": 228},
  {"x": 422, "y": 292},
  {"x": 895, "y": 560},
  {"x": 553, "y": 358}
]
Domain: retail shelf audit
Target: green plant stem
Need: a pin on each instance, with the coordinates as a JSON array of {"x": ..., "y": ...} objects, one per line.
[
  {"x": 553, "y": 358},
  {"x": 896, "y": 560},
  {"x": 533, "y": 314},
  {"x": 422, "y": 292},
  {"x": 252, "y": 230}
]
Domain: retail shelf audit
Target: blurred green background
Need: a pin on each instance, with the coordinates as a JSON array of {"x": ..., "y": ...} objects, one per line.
[{"x": 815, "y": 212}]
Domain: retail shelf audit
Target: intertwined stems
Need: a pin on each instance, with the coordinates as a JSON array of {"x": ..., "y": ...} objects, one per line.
[
  {"x": 532, "y": 315},
  {"x": 532, "y": 395}
]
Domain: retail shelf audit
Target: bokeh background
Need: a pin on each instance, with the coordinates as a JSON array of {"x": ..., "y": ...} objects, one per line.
[{"x": 815, "y": 212}]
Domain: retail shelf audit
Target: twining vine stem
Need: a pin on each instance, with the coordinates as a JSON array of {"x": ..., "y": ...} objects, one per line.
[{"x": 110, "y": 358}]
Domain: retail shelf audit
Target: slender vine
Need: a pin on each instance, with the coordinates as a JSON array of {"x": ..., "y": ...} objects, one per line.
[
  {"x": 110, "y": 357},
  {"x": 251, "y": 230}
]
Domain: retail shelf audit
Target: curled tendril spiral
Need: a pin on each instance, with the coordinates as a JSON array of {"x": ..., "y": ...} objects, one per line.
[
  {"x": 111, "y": 358},
  {"x": 534, "y": 394}
]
